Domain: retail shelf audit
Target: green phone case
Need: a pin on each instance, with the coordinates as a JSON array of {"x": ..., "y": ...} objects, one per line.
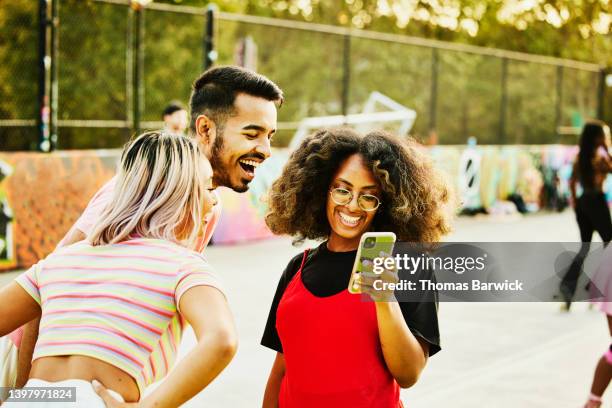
[{"x": 383, "y": 244}]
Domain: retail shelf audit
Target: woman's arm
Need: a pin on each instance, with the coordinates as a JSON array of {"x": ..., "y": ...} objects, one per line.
[
  {"x": 604, "y": 164},
  {"x": 404, "y": 354},
  {"x": 573, "y": 181},
  {"x": 18, "y": 308},
  {"x": 274, "y": 382},
  {"x": 206, "y": 309},
  {"x": 26, "y": 351}
]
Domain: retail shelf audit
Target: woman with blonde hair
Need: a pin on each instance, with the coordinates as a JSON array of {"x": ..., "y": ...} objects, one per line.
[{"x": 107, "y": 302}]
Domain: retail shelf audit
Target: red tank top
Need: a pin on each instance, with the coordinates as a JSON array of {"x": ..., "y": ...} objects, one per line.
[{"x": 332, "y": 351}]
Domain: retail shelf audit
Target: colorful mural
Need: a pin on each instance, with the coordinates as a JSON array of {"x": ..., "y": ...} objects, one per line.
[
  {"x": 243, "y": 214},
  {"x": 42, "y": 195}
]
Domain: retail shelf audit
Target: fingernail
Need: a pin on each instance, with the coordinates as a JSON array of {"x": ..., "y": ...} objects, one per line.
[{"x": 96, "y": 383}]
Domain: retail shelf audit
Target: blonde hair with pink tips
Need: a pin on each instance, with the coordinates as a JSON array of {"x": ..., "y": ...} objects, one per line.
[{"x": 159, "y": 191}]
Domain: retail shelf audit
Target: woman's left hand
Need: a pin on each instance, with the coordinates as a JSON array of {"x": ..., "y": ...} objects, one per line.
[{"x": 108, "y": 399}]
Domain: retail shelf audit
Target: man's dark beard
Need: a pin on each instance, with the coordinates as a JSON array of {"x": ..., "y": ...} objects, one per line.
[{"x": 221, "y": 175}]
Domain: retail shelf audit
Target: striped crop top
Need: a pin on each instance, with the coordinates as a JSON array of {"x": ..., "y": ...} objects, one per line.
[{"x": 114, "y": 302}]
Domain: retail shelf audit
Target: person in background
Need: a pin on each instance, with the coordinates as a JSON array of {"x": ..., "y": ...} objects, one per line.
[
  {"x": 592, "y": 166},
  {"x": 105, "y": 302},
  {"x": 175, "y": 118},
  {"x": 601, "y": 295}
]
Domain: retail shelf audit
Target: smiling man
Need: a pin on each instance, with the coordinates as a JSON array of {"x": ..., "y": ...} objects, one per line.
[
  {"x": 233, "y": 113},
  {"x": 242, "y": 143},
  {"x": 233, "y": 117}
]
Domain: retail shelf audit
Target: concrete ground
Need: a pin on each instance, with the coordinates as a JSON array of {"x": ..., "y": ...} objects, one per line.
[{"x": 493, "y": 354}]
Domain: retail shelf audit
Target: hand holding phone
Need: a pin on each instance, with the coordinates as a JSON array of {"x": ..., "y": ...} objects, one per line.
[{"x": 369, "y": 266}]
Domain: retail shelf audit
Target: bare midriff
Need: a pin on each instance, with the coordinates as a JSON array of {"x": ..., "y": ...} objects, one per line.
[{"x": 60, "y": 368}]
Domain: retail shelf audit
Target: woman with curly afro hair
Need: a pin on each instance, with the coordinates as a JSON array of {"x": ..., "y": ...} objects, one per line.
[{"x": 334, "y": 349}]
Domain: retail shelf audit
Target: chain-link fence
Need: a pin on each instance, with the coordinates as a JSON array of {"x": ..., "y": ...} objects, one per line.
[
  {"x": 19, "y": 74},
  {"x": 110, "y": 69},
  {"x": 94, "y": 61},
  {"x": 457, "y": 90}
]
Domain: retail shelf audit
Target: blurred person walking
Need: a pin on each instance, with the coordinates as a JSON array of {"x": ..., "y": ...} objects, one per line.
[
  {"x": 175, "y": 118},
  {"x": 590, "y": 169}
]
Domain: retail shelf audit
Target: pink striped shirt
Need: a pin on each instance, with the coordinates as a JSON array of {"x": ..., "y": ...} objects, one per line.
[{"x": 116, "y": 302}]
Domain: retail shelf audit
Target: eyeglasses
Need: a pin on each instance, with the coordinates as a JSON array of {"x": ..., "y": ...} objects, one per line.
[{"x": 342, "y": 196}]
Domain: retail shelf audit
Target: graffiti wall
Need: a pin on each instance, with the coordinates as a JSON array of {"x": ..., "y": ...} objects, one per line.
[
  {"x": 488, "y": 175},
  {"x": 42, "y": 195}
]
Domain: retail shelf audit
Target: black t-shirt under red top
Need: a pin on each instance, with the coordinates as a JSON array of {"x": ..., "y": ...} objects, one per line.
[{"x": 326, "y": 273}]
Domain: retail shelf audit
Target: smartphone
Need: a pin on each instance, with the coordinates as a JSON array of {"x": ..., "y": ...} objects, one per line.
[{"x": 371, "y": 245}]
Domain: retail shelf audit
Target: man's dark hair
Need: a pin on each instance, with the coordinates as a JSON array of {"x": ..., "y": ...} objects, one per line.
[
  {"x": 172, "y": 107},
  {"x": 214, "y": 92}
]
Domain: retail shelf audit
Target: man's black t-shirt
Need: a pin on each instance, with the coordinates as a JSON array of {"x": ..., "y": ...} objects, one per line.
[{"x": 327, "y": 273}]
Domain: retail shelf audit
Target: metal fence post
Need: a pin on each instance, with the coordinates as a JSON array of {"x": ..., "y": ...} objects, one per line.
[
  {"x": 210, "y": 54},
  {"x": 137, "y": 58},
  {"x": 559, "y": 101},
  {"x": 504, "y": 101},
  {"x": 140, "y": 59},
  {"x": 129, "y": 70},
  {"x": 433, "y": 97},
  {"x": 44, "y": 65},
  {"x": 346, "y": 73},
  {"x": 601, "y": 93},
  {"x": 54, "y": 72}
]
